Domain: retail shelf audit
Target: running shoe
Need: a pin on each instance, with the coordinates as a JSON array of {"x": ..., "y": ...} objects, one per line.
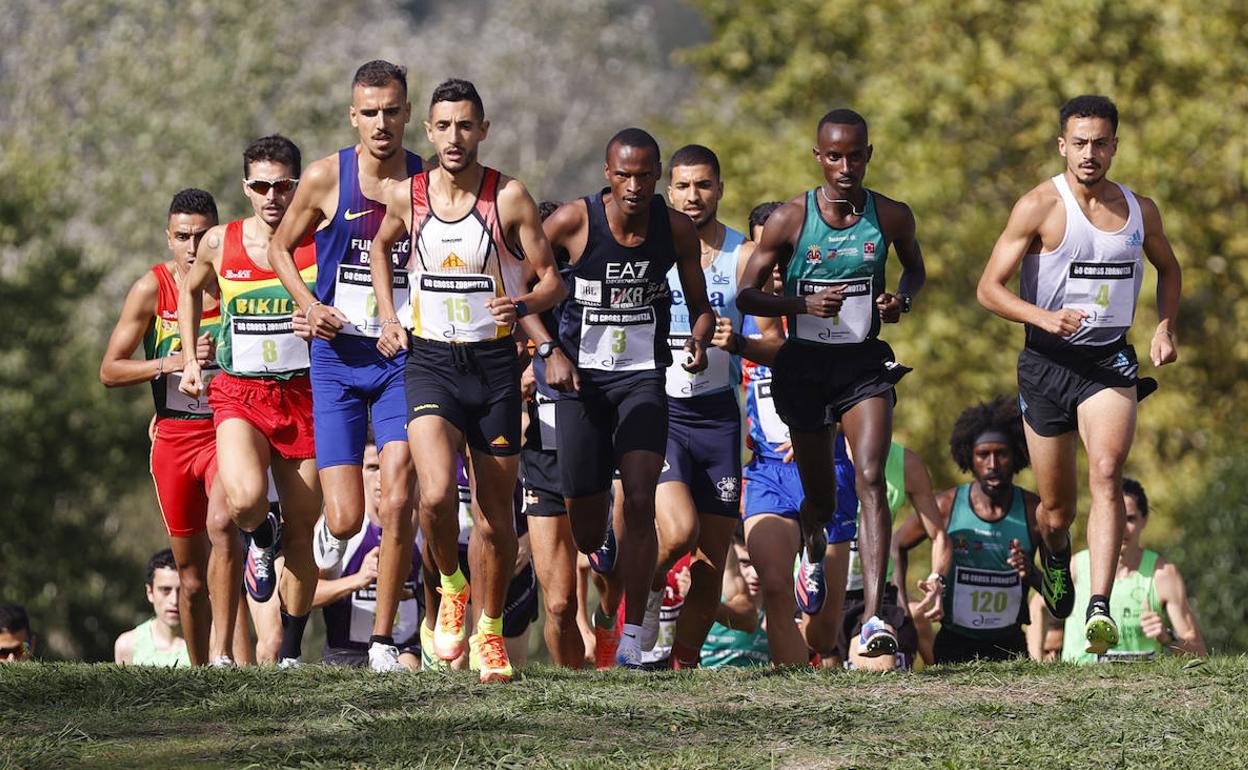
[
  {"x": 449, "y": 636},
  {"x": 258, "y": 573},
  {"x": 811, "y": 587},
  {"x": 628, "y": 656},
  {"x": 221, "y": 661},
  {"x": 603, "y": 559},
  {"x": 286, "y": 663},
  {"x": 606, "y": 643},
  {"x": 384, "y": 658},
  {"x": 327, "y": 549},
  {"x": 429, "y": 661},
  {"x": 487, "y": 654},
  {"x": 1057, "y": 586},
  {"x": 876, "y": 639},
  {"x": 650, "y": 623},
  {"x": 1101, "y": 632}
]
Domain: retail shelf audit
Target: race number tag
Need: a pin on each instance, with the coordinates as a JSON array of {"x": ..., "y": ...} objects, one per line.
[
  {"x": 453, "y": 307},
  {"x": 353, "y": 295},
  {"x": 177, "y": 401},
  {"x": 851, "y": 325},
  {"x": 546, "y": 421},
  {"x": 1103, "y": 290},
  {"x": 774, "y": 429},
  {"x": 986, "y": 599},
  {"x": 266, "y": 345},
  {"x": 617, "y": 340},
  {"x": 683, "y": 384}
]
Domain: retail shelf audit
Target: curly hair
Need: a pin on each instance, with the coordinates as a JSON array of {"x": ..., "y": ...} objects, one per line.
[{"x": 999, "y": 414}]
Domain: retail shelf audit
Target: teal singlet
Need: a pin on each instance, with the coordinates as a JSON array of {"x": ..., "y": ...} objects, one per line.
[{"x": 984, "y": 596}]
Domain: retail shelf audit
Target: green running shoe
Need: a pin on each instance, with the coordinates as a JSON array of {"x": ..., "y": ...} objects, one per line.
[
  {"x": 1101, "y": 632},
  {"x": 1057, "y": 586}
]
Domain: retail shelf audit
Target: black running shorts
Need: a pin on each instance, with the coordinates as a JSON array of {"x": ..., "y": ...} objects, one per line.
[
  {"x": 814, "y": 383},
  {"x": 474, "y": 386},
  {"x": 607, "y": 419},
  {"x": 1052, "y": 384}
]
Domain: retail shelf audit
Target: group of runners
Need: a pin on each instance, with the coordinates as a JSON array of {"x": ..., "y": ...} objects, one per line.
[{"x": 583, "y": 368}]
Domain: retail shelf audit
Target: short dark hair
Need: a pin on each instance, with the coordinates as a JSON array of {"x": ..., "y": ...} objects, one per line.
[
  {"x": 379, "y": 72},
  {"x": 635, "y": 137},
  {"x": 762, "y": 212},
  {"x": 1088, "y": 106},
  {"x": 457, "y": 90},
  {"x": 160, "y": 560},
  {"x": 13, "y": 618},
  {"x": 274, "y": 148},
  {"x": 1133, "y": 488},
  {"x": 1002, "y": 415},
  {"x": 192, "y": 200},
  {"x": 842, "y": 116},
  {"x": 694, "y": 155},
  {"x": 546, "y": 208}
]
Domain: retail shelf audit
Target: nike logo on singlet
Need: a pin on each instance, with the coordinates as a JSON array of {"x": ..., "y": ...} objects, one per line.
[{"x": 355, "y": 214}]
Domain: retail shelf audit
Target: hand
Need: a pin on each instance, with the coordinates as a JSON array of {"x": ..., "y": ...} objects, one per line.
[
  {"x": 723, "y": 332},
  {"x": 503, "y": 309},
  {"x": 696, "y": 360},
  {"x": 930, "y": 605},
  {"x": 192, "y": 379},
  {"x": 300, "y": 326},
  {"x": 1162, "y": 349},
  {"x": 1018, "y": 559},
  {"x": 561, "y": 374},
  {"x": 368, "y": 568},
  {"x": 326, "y": 321},
  {"x": 393, "y": 339},
  {"x": 1064, "y": 322},
  {"x": 825, "y": 303},
  {"x": 528, "y": 383},
  {"x": 1152, "y": 624},
  {"x": 205, "y": 349},
  {"x": 889, "y": 306},
  {"x": 785, "y": 448}
]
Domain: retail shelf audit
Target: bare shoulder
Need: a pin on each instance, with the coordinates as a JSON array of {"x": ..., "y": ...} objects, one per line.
[
  {"x": 214, "y": 239},
  {"x": 513, "y": 193},
  {"x": 1038, "y": 203},
  {"x": 892, "y": 212},
  {"x": 321, "y": 174},
  {"x": 1149, "y": 212},
  {"x": 787, "y": 219},
  {"x": 567, "y": 220},
  {"x": 682, "y": 225}
]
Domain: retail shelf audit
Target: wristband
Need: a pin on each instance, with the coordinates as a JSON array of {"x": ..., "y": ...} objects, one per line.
[
  {"x": 314, "y": 304},
  {"x": 936, "y": 576},
  {"x": 735, "y": 343},
  {"x": 160, "y": 367},
  {"x": 390, "y": 321}
]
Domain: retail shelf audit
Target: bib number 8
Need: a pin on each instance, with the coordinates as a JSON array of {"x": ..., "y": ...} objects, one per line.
[
  {"x": 268, "y": 351},
  {"x": 989, "y": 601},
  {"x": 1102, "y": 296},
  {"x": 619, "y": 341},
  {"x": 456, "y": 309}
]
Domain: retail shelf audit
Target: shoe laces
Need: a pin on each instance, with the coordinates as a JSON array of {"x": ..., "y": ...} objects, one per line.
[
  {"x": 259, "y": 566},
  {"x": 1054, "y": 582},
  {"x": 451, "y": 610},
  {"x": 492, "y": 652}
]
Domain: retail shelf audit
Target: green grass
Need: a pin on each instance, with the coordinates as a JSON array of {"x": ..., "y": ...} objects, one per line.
[{"x": 1154, "y": 715}]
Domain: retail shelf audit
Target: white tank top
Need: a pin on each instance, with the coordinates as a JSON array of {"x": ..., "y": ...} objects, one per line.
[{"x": 1091, "y": 270}]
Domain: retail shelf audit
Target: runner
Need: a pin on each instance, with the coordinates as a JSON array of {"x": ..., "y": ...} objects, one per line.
[
  {"x": 473, "y": 232},
  {"x": 261, "y": 401},
  {"x": 831, "y": 245},
  {"x": 1080, "y": 240},
  {"x": 337, "y": 199},
  {"x": 184, "y": 452},
  {"x": 616, "y": 248},
  {"x": 1148, "y": 588},
  {"x": 157, "y": 641}
]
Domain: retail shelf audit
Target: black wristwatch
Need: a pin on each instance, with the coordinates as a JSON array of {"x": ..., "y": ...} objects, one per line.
[
  {"x": 545, "y": 350},
  {"x": 906, "y": 302}
]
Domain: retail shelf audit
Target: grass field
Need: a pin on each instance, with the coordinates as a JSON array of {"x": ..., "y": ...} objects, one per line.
[{"x": 1155, "y": 715}]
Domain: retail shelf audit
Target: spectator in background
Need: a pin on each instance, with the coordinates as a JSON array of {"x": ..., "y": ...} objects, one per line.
[
  {"x": 739, "y": 636},
  {"x": 157, "y": 641},
  {"x": 16, "y": 642}
]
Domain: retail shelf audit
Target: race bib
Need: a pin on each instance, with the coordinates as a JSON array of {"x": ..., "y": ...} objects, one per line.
[
  {"x": 353, "y": 295},
  {"x": 617, "y": 340},
  {"x": 683, "y": 384},
  {"x": 453, "y": 307},
  {"x": 1103, "y": 290},
  {"x": 364, "y": 609},
  {"x": 850, "y": 326},
  {"x": 177, "y": 401},
  {"x": 986, "y": 599},
  {"x": 546, "y": 422},
  {"x": 774, "y": 429},
  {"x": 266, "y": 345}
]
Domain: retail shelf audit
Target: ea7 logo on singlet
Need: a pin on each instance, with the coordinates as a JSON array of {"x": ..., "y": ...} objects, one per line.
[
  {"x": 627, "y": 271},
  {"x": 238, "y": 275}
]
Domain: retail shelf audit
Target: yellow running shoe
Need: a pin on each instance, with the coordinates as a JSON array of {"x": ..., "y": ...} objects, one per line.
[
  {"x": 488, "y": 655},
  {"x": 449, "y": 635},
  {"x": 429, "y": 661}
]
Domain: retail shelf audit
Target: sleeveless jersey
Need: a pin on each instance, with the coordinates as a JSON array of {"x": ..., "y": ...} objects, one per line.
[
  {"x": 723, "y": 370},
  {"x": 984, "y": 596},
  {"x": 730, "y": 647},
  {"x": 764, "y": 428},
  {"x": 256, "y": 338},
  {"x": 162, "y": 339},
  {"x": 617, "y": 314},
  {"x": 349, "y": 621},
  {"x": 895, "y": 496},
  {"x": 459, "y": 266},
  {"x": 1125, "y": 604},
  {"x": 852, "y": 257},
  {"x": 1091, "y": 270},
  {"x": 146, "y": 654},
  {"x": 343, "y": 278}
]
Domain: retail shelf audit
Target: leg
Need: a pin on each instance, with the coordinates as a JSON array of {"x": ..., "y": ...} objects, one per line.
[
  {"x": 639, "y": 472},
  {"x": 494, "y": 484},
  {"x": 267, "y": 618},
  {"x": 191, "y": 555},
  {"x": 344, "y": 499},
  {"x": 822, "y": 630},
  {"x": 1107, "y": 427},
  {"x": 435, "y": 444},
  {"x": 706, "y": 580},
  {"x": 812, "y": 451},
  {"x": 241, "y": 647},
  {"x": 773, "y": 541},
  {"x": 225, "y": 566},
  {"x": 554, "y": 560},
  {"x": 398, "y": 478},
  {"x": 243, "y": 457},
  {"x": 677, "y": 522},
  {"x": 1053, "y": 462},
  {"x": 299, "y": 489},
  {"x": 869, "y": 431}
]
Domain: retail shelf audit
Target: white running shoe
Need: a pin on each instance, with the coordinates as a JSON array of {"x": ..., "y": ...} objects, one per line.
[
  {"x": 290, "y": 663},
  {"x": 384, "y": 659},
  {"x": 221, "y": 661},
  {"x": 327, "y": 549},
  {"x": 650, "y": 623}
]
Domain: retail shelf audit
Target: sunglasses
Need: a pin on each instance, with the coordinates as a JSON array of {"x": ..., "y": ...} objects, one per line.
[
  {"x": 22, "y": 649},
  {"x": 262, "y": 186}
]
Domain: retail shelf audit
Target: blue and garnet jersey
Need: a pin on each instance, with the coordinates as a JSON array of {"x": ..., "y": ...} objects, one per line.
[
  {"x": 163, "y": 339},
  {"x": 826, "y": 256},
  {"x": 765, "y": 429},
  {"x": 343, "y": 277},
  {"x": 617, "y": 314},
  {"x": 723, "y": 370}
]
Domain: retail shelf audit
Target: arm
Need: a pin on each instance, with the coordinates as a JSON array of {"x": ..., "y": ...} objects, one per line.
[
  {"x": 693, "y": 284},
  {"x": 318, "y": 188},
  {"x": 906, "y": 538},
  {"x": 1022, "y": 560},
  {"x": 522, "y": 226},
  {"x": 898, "y": 219},
  {"x": 1157, "y": 248},
  {"x": 329, "y": 591},
  {"x": 137, "y": 314},
  {"x": 1172, "y": 593},
  {"x": 393, "y": 337},
  {"x": 775, "y": 248},
  {"x": 201, "y": 276}
]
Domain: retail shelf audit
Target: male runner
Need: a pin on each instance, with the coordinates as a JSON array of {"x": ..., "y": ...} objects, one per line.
[
  {"x": 157, "y": 641},
  {"x": 16, "y": 641},
  {"x": 615, "y": 249},
  {"x": 350, "y": 378},
  {"x": 1080, "y": 240},
  {"x": 184, "y": 451},
  {"x": 831, "y": 245},
  {"x": 473, "y": 231},
  {"x": 262, "y": 400},
  {"x": 1148, "y": 586}
]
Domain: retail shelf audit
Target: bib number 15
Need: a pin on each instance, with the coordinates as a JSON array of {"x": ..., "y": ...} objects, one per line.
[{"x": 456, "y": 310}]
